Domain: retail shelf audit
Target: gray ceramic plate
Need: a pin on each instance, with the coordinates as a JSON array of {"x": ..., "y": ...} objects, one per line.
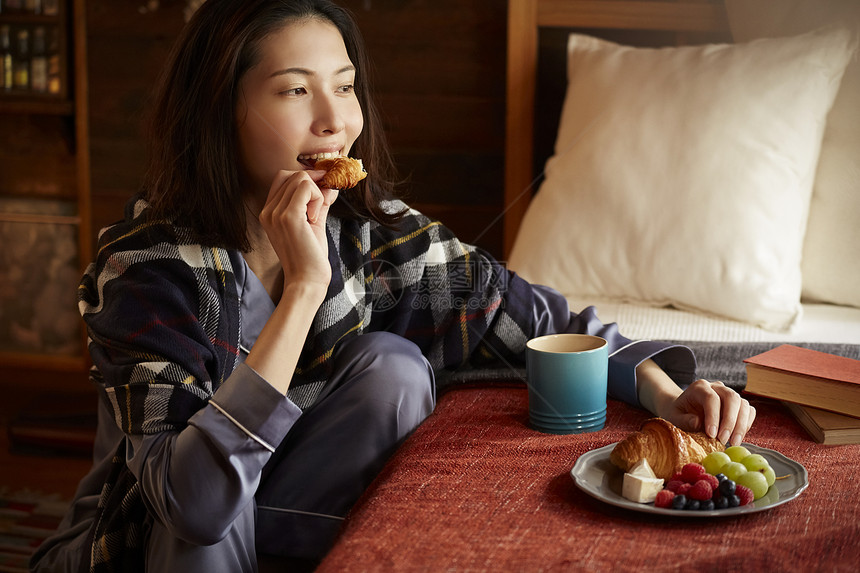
[{"x": 594, "y": 474}]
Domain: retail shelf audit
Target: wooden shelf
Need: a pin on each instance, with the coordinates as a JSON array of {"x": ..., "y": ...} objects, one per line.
[
  {"x": 31, "y": 19},
  {"x": 39, "y": 219},
  {"x": 36, "y": 104},
  {"x": 55, "y": 102},
  {"x": 41, "y": 120},
  {"x": 53, "y": 363}
]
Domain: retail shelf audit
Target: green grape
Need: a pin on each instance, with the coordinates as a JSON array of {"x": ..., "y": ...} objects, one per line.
[
  {"x": 733, "y": 470},
  {"x": 737, "y": 453},
  {"x": 755, "y": 463},
  {"x": 758, "y": 463},
  {"x": 755, "y": 481},
  {"x": 770, "y": 476},
  {"x": 714, "y": 461}
]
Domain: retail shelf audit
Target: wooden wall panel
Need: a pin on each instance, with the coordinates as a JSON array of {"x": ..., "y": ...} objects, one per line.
[
  {"x": 440, "y": 76},
  {"x": 127, "y": 49},
  {"x": 37, "y": 156}
]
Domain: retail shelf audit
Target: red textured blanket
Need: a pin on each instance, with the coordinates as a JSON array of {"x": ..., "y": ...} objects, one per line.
[{"x": 475, "y": 489}]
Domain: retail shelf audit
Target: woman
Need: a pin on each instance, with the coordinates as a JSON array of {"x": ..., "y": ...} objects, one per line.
[{"x": 261, "y": 343}]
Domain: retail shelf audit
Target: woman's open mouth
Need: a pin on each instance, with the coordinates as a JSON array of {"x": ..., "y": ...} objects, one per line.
[{"x": 309, "y": 161}]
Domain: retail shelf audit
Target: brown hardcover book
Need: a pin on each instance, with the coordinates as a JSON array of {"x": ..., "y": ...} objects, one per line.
[
  {"x": 826, "y": 427},
  {"x": 807, "y": 377}
]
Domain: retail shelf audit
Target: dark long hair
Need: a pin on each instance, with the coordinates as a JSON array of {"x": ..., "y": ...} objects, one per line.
[{"x": 193, "y": 176}]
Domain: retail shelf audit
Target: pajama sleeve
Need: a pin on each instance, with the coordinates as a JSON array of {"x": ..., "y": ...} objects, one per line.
[
  {"x": 552, "y": 315},
  {"x": 163, "y": 321},
  {"x": 219, "y": 455},
  {"x": 223, "y": 447}
]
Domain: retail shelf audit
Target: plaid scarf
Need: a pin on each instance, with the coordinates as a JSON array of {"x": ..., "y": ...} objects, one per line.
[{"x": 163, "y": 317}]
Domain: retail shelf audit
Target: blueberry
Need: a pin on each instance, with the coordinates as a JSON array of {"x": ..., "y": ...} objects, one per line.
[
  {"x": 721, "y": 503},
  {"x": 706, "y": 505},
  {"x": 734, "y": 501},
  {"x": 692, "y": 504},
  {"x": 727, "y": 488},
  {"x": 721, "y": 477},
  {"x": 679, "y": 501}
]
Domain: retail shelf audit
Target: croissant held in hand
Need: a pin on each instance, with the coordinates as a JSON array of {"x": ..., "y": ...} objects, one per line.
[
  {"x": 341, "y": 172},
  {"x": 666, "y": 447}
]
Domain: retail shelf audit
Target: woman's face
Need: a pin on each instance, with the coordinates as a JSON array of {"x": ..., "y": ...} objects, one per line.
[{"x": 297, "y": 103}]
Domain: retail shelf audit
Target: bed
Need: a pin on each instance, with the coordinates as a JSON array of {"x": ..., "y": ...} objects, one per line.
[
  {"x": 776, "y": 260},
  {"x": 687, "y": 210},
  {"x": 603, "y": 180}
]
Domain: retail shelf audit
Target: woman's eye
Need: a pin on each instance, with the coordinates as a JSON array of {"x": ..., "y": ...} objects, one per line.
[
  {"x": 346, "y": 89},
  {"x": 294, "y": 91}
]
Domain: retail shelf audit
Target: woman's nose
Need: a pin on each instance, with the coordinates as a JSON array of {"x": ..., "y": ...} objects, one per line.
[{"x": 327, "y": 116}]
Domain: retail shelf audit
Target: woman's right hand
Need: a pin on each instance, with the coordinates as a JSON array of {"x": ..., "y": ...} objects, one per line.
[{"x": 294, "y": 218}]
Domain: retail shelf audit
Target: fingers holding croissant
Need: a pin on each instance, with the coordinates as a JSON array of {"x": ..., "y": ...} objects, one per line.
[{"x": 341, "y": 172}]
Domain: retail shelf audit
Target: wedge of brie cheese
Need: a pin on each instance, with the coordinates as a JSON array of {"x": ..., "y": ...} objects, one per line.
[{"x": 640, "y": 484}]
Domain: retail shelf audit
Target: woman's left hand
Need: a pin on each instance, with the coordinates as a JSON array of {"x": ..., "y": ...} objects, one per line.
[{"x": 714, "y": 408}]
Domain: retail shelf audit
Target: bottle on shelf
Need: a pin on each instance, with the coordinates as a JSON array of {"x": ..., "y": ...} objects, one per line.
[
  {"x": 30, "y": 51},
  {"x": 39, "y": 62},
  {"x": 13, "y": 6},
  {"x": 33, "y": 6},
  {"x": 50, "y": 7},
  {"x": 55, "y": 82},
  {"x": 6, "y": 77},
  {"x": 21, "y": 61}
]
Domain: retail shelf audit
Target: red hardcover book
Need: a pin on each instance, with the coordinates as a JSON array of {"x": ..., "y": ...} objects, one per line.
[{"x": 806, "y": 377}]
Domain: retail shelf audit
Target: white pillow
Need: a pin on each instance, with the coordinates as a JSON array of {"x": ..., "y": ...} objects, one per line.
[
  {"x": 831, "y": 249},
  {"x": 682, "y": 176}
]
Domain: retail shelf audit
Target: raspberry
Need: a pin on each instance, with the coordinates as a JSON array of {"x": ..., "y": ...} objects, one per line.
[
  {"x": 683, "y": 488},
  {"x": 701, "y": 490},
  {"x": 677, "y": 477},
  {"x": 715, "y": 483},
  {"x": 664, "y": 498},
  {"x": 691, "y": 473},
  {"x": 744, "y": 493},
  {"x": 673, "y": 485}
]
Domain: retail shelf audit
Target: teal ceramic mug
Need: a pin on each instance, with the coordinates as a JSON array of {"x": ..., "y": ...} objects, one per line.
[{"x": 567, "y": 377}]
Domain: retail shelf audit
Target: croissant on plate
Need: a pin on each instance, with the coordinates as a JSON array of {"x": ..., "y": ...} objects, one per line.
[
  {"x": 341, "y": 172},
  {"x": 666, "y": 447}
]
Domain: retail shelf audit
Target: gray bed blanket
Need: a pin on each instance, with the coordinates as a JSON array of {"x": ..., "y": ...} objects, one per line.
[
  {"x": 725, "y": 360},
  {"x": 722, "y": 361}
]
